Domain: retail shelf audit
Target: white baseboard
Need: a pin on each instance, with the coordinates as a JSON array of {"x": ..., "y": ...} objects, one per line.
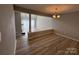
[
  {"x": 15, "y": 47},
  {"x": 67, "y": 36}
]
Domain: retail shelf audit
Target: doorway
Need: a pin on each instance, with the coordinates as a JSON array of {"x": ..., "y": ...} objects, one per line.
[
  {"x": 22, "y": 29},
  {"x": 25, "y": 23}
]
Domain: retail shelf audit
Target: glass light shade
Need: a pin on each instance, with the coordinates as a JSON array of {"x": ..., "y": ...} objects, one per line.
[{"x": 56, "y": 16}]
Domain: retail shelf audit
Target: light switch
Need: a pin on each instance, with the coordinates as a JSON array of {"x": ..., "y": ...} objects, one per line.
[{"x": 0, "y": 36}]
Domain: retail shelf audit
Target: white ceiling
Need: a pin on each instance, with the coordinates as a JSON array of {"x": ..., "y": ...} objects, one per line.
[{"x": 50, "y": 8}]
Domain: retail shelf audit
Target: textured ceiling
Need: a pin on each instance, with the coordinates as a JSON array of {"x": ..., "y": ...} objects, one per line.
[{"x": 51, "y": 8}]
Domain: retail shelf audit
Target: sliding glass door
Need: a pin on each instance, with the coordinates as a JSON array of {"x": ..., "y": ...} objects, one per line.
[{"x": 34, "y": 23}]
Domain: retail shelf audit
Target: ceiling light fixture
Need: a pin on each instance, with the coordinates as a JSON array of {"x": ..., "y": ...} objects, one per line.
[{"x": 56, "y": 15}]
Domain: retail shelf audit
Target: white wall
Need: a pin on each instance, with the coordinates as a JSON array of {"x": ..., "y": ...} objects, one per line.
[
  {"x": 7, "y": 29},
  {"x": 68, "y": 24}
]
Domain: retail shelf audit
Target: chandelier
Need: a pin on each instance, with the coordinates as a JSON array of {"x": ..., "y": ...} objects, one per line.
[{"x": 56, "y": 15}]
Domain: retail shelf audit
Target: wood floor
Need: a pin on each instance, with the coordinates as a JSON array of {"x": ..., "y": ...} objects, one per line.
[{"x": 50, "y": 44}]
